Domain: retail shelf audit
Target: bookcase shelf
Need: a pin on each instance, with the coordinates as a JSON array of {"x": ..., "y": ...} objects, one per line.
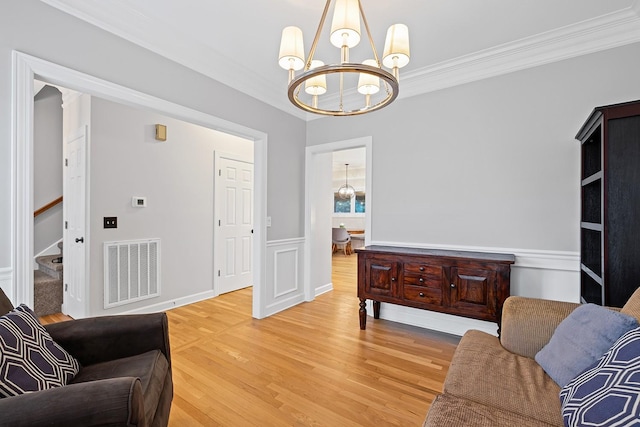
[{"x": 610, "y": 203}]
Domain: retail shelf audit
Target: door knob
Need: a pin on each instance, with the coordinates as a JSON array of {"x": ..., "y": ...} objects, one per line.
[
  {"x": 80, "y": 240},
  {"x": 453, "y": 285}
]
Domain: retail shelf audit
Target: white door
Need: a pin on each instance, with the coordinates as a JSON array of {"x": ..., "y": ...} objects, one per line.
[
  {"x": 233, "y": 224},
  {"x": 74, "y": 236}
]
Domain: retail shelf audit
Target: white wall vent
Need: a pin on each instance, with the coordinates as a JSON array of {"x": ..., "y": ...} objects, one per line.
[{"x": 131, "y": 271}]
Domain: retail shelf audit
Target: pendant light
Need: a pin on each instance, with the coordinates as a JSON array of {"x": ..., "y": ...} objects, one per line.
[
  {"x": 346, "y": 192},
  {"x": 340, "y": 82}
]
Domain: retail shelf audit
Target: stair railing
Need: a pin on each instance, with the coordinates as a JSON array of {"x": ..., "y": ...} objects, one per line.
[{"x": 47, "y": 206}]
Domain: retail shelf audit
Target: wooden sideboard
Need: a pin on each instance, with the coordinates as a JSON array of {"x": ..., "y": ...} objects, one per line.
[{"x": 469, "y": 284}]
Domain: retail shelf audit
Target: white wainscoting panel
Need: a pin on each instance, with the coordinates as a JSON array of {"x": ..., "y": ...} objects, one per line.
[
  {"x": 284, "y": 283},
  {"x": 6, "y": 283},
  {"x": 550, "y": 275}
]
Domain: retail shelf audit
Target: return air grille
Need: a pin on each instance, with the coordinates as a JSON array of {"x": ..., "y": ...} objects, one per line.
[{"x": 132, "y": 271}]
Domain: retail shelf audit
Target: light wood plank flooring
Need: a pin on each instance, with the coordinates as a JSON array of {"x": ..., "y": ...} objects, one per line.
[{"x": 307, "y": 366}]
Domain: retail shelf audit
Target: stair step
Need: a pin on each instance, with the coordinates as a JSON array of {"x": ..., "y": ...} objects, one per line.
[
  {"x": 47, "y": 294},
  {"x": 47, "y": 265}
]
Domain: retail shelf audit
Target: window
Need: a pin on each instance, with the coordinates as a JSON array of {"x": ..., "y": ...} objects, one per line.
[{"x": 355, "y": 205}]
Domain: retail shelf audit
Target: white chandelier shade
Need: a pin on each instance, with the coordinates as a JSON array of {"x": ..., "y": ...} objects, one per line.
[{"x": 332, "y": 89}]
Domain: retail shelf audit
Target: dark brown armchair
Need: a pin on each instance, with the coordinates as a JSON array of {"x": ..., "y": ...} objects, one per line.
[{"x": 125, "y": 376}]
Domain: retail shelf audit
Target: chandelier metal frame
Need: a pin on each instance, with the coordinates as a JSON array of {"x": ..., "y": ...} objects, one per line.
[{"x": 389, "y": 87}]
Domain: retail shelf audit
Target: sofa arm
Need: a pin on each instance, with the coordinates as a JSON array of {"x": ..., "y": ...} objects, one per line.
[
  {"x": 100, "y": 339},
  {"x": 111, "y": 402},
  {"x": 529, "y": 323}
]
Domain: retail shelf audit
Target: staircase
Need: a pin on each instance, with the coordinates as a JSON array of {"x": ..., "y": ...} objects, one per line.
[{"x": 47, "y": 284}]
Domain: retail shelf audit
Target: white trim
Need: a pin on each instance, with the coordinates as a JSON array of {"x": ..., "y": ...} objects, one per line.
[
  {"x": 324, "y": 289},
  {"x": 536, "y": 273},
  {"x": 525, "y": 258},
  {"x": 593, "y": 35},
  {"x": 22, "y": 181},
  {"x": 285, "y": 242},
  {"x": 603, "y": 32},
  {"x": 129, "y": 24},
  {"x": 296, "y": 283},
  {"x": 433, "y": 320},
  {"x": 25, "y": 67},
  {"x": 279, "y": 301},
  {"x": 168, "y": 305},
  {"x": 365, "y": 142}
]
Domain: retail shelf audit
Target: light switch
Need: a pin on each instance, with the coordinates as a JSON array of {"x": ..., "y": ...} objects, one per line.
[{"x": 268, "y": 221}]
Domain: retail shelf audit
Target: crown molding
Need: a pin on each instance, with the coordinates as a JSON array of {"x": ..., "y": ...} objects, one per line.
[
  {"x": 131, "y": 25},
  {"x": 593, "y": 35}
]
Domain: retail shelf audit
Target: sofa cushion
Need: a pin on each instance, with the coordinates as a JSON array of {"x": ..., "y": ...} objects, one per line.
[
  {"x": 451, "y": 411},
  {"x": 29, "y": 358},
  {"x": 483, "y": 371},
  {"x": 151, "y": 367},
  {"x": 581, "y": 339},
  {"x": 632, "y": 307},
  {"x": 608, "y": 393}
]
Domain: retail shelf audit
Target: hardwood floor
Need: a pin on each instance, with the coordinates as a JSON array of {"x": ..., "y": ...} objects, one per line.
[
  {"x": 310, "y": 365},
  {"x": 307, "y": 366}
]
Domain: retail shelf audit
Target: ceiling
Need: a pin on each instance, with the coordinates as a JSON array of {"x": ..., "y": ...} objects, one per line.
[{"x": 452, "y": 42}]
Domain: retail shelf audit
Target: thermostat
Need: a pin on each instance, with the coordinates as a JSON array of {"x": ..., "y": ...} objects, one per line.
[{"x": 139, "y": 202}]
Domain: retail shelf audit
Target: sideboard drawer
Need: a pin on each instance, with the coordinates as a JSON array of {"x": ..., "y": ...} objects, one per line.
[
  {"x": 470, "y": 284},
  {"x": 423, "y": 295}
]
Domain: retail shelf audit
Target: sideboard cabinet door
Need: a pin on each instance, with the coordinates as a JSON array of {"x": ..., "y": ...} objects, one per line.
[{"x": 473, "y": 292}]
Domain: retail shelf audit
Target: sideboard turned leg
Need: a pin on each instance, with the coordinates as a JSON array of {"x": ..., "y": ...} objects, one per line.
[
  {"x": 363, "y": 314},
  {"x": 376, "y": 309}
]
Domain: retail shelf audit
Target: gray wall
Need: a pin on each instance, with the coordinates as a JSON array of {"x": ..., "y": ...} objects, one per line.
[
  {"x": 34, "y": 28},
  {"x": 492, "y": 163},
  {"x": 47, "y": 166},
  {"x": 176, "y": 177}
]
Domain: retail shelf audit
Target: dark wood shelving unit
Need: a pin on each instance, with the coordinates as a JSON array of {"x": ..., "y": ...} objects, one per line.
[{"x": 610, "y": 204}]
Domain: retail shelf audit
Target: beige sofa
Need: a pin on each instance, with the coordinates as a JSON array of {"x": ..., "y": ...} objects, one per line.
[{"x": 496, "y": 382}]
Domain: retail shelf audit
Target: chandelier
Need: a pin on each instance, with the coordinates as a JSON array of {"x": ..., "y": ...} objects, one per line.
[
  {"x": 347, "y": 88},
  {"x": 346, "y": 191}
]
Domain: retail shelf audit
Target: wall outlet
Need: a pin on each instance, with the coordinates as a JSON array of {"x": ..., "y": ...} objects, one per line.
[{"x": 110, "y": 222}]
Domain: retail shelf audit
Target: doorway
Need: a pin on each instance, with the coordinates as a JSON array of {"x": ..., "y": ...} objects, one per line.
[
  {"x": 26, "y": 69},
  {"x": 319, "y": 191}
]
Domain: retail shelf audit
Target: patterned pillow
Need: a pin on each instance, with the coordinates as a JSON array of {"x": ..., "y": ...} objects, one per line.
[
  {"x": 608, "y": 393},
  {"x": 29, "y": 358}
]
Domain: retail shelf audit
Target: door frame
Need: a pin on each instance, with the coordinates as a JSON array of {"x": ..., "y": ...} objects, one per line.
[
  {"x": 311, "y": 152},
  {"x": 25, "y": 69},
  {"x": 217, "y": 155}
]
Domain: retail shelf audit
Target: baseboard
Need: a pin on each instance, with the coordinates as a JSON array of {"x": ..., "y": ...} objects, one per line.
[
  {"x": 171, "y": 304},
  {"x": 324, "y": 289},
  {"x": 455, "y": 325}
]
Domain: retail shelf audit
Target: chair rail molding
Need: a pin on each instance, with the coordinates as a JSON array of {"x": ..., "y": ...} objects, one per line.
[{"x": 544, "y": 274}]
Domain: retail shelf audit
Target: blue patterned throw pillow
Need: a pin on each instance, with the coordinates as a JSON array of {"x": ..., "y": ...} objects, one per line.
[
  {"x": 608, "y": 393},
  {"x": 29, "y": 358}
]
